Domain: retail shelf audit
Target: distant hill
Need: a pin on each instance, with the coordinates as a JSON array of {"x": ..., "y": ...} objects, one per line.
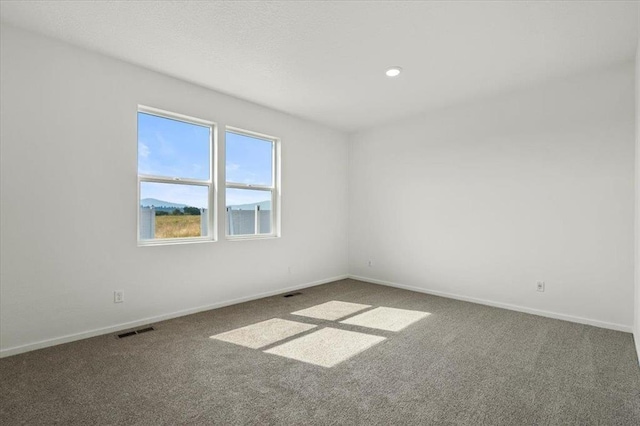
[
  {"x": 148, "y": 202},
  {"x": 169, "y": 206}
]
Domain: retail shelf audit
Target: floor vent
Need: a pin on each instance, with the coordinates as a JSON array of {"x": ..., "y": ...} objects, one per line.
[
  {"x": 134, "y": 332},
  {"x": 297, "y": 293}
]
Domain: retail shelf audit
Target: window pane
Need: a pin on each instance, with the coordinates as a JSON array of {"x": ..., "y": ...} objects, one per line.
[
  {"x": 173, "y": 148},
  {"x": 242, "y": 207},
  {"x": 173, "y": 211},
  {"x": 249, "y": 159}
]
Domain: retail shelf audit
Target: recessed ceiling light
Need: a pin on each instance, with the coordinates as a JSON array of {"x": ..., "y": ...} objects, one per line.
[{"x": 393, "y": 71}]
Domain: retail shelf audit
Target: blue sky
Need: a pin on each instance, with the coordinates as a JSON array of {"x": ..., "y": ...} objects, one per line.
[
  {"x": 248, "y": 159},
  {"x": 172, "y": 148}
]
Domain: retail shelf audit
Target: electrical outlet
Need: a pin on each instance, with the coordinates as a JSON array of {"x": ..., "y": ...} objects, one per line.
[
  {"x": 118, "y": 296},
  {"x": 540, "y": 286},
  {"x": 370, "y": 263}
]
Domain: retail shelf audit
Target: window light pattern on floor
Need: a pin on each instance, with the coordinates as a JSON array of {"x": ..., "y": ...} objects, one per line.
[
  {"x": 331, "y": 310},
  {"x": 388, "y": 319},
  {"x": 264, "y": 333},
  {"x": 328, "y": 346}
]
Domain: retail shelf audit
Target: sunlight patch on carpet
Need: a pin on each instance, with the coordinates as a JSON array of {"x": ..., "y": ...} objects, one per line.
[
  {"x": 263, "y": 333},
  {"x": 326, "y": 347},
  {"x": 389, "y": 319},
  {"x": 331, "y": 310}
]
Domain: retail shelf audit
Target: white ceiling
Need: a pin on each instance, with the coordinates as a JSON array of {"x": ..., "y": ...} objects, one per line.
[{"x": 325, "y": 61}]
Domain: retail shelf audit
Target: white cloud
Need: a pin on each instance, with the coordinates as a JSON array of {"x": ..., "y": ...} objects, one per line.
[{"x": 143, "y": 150}]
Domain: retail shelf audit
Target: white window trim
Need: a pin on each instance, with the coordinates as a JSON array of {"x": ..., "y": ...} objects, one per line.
[
  {"x": 274, "y": 188},
  {"x": 211, "y": 183}
]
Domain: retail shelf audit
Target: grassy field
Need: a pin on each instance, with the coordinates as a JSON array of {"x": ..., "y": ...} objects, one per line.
[{"x": 177, "y": 226}]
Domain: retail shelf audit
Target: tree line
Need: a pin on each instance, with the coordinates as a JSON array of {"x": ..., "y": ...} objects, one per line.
[{"x": 186, "y": 211}]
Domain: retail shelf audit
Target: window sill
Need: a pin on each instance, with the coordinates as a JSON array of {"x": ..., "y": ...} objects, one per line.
[
  {"x": 153, "y": 243},
  {"x": 252, "y": 237}
]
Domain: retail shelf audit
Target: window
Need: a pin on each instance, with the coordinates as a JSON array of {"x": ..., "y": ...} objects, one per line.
[
  {"x": 252, "y": 190},
  {"x": 176, "y": 190}
]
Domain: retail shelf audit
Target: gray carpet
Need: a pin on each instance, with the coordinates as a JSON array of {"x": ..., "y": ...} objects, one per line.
[{"x": 464, "y": 364}]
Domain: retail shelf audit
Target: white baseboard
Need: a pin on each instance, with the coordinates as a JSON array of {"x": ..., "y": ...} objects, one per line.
[
  {"x": 571, "y": 318},
  {"x": 636, "y": 338},
  {"x": 144, "y": 321}
]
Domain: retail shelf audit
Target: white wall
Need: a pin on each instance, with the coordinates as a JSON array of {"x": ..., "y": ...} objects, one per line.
[
  {"x": 480, "y": 201},
  {"x": 68, "y": 210}
]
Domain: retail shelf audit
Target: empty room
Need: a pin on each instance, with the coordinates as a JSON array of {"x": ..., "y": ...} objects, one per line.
[{"x": 319, "y": 212}]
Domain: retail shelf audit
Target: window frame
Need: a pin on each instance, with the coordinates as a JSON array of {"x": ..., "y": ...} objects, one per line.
[
  {"x": 274, "y": 188},
  {"x": 211, "y": 183}
]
